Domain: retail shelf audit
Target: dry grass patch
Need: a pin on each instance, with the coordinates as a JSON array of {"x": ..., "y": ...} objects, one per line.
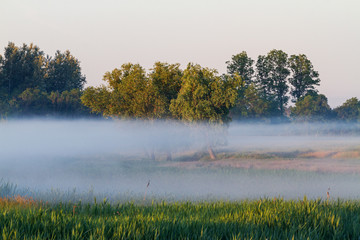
[
  {"x": 347, "y": 155},
  {"x": 17, "y": 201},
  {"x": 318, "y": 154}
]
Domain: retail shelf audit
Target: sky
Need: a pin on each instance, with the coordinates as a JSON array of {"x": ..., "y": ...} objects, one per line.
[{"x": 105, "y": 34}]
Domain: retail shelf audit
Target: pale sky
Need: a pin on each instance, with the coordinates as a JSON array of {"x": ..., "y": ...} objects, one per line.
[{"x": 105, "y": 34}]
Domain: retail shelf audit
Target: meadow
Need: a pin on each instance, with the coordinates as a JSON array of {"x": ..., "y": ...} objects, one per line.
[
  {"x": 23, "y": 218},
  {"x": 269, "y": 183}
]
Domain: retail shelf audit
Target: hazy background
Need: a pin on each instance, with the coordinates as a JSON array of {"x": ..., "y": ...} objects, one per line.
[{"x": 105, "y": 34}]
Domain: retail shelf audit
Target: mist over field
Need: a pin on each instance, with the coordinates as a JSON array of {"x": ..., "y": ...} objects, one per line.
[{"x": 112, "y": 158}]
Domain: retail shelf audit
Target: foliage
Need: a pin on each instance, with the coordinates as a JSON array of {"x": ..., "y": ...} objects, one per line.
[
  {"x": 30, "y": 102},
  {"x": 166, "y": 92},
  {"x": 242, "y": 65},
  {"x": 165, "y": 83},
  {"x": 67, "y": 104},
  {"x": 250, "y": 106},
  {"x": 272, "y": 74},
  {"x": 63, "y": 73},
  {"x": 304, "y": 77},
  {"x": 349, "y": 111},
  {"x": 31, "y": 83},
  {"x": 131, "y": 93},
  {"x": 205, "y": 96},
  {"x": 23, "y": 218},
  {"x": 311, "y": 107},
  {"x": 22, "y": 68},
  {"x": 34, "y": 103},
  {"x": 98, "y": 100}
]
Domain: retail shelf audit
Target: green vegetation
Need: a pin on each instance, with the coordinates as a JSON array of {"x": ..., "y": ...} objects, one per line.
[
  {"x": 312, "y": 107},
  {"x": 34, "y": 84},
  {"x": 22, "y": 218}
]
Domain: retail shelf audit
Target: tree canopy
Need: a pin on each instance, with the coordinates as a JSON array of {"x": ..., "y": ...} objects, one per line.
[
  {"x": 304, "y": 78},
  {"x": 312, "y": 107},
  {"x": 242, "y": 65},
  {"x": 272, "y": 74},
  {"x": 63, "y": 73},
  {"x": 349, "y": 111},
  {"x": 32, "y": 83},
  {"x": 205, "y": 96},
  {"x": 29, "y": 80},
  {"x": 132, "y": 93}
]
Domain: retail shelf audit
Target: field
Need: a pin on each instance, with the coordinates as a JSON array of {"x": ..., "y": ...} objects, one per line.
[
  {"x": 23, "y": 218},
  {"x": 270, "y": 184},
  {"x": 254, "y": 195}
]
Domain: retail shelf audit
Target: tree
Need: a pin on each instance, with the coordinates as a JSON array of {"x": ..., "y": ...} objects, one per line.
[
  {"x": 250, "y": 106},
  {"x": 349, "y": 110},
  {"x": 311, "y": 107},
  {"x": 22, "y": 68},
  {"x": 205, "y": 97},
  {"x": 63, "y": 73},
  {"x": 272, "y": 74},
  {"x": 131, "y": 93},
  {"x": 242, "y": 65},
  {"x": 304, "y": 78}
]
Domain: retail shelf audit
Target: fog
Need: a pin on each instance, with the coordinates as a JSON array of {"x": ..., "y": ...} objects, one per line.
[{"x": 80, "y": 159}]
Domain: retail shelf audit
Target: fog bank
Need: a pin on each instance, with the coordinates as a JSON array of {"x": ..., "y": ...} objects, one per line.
[{"x": 111, "y": 158}]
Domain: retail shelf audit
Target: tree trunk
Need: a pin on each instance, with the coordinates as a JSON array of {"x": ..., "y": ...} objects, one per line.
[{"x": 211, "y": 153}]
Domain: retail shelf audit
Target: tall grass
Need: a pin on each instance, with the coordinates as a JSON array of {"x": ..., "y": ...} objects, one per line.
[{"x": 247, "y": 219}]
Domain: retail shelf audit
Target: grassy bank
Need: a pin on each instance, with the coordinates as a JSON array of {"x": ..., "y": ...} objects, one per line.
[{"x": 22, "y": 218}]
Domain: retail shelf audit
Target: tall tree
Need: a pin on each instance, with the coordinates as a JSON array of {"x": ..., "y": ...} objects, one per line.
[
  {"x": 272, "y": 74},
  {"x": 23, "y": 67},
  {"x": 205, "y": 97},
  {"x": 243, "y": 66},
  {"x": 64, "y": 73},
  {"x": 304, "y": 78}
]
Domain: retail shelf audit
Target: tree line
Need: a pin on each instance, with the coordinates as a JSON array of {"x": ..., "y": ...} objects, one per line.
[
  {"x": 248, "y": 91},
  {"x": 35, "y": 84}
]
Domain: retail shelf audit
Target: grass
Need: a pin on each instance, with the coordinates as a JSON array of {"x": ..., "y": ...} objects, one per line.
[{"x": 22, "y": 218}]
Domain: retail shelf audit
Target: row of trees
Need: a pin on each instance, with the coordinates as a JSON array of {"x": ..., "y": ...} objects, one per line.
[
  {"x": 248, "y": 91},
  {"x": 32, "y": 83},
  {"x": 267, "y": 83},
  {"x": 195, "y": 94}
]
